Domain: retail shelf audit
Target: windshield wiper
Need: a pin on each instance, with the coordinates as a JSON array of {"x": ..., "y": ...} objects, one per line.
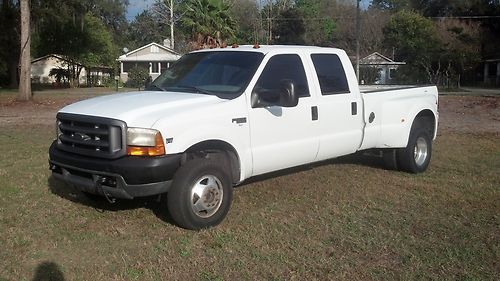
[
  {"x": 196, "y": 89},
  {"x": 153, "y": 87}
]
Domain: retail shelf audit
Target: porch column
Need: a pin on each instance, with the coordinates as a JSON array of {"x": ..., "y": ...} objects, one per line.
[
  {"x": 121, "y": 67},
  {"x": 497, "y": 80},
  {"x": 485, "y": 78}
]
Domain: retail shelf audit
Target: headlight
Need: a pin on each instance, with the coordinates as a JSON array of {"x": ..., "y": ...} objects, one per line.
[
  {"x": 58, "y": 129},
  {"x": 144, "y": 142}
]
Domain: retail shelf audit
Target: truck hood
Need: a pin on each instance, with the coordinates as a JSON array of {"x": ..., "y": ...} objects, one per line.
[{"x": 141, "y": 109}]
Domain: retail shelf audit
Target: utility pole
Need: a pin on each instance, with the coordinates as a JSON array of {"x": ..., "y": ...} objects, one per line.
[{"x": 357, "y": 38}]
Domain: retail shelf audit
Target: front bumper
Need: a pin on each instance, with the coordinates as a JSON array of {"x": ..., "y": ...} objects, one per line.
[{"x": 126, "y": 177}]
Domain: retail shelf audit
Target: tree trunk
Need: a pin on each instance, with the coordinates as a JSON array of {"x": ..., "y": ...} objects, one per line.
[{"x": 25, "y": 58}]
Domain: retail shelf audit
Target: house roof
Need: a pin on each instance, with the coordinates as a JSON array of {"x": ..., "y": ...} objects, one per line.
[
  {"x": 169, "y": 55},
  {"x": 378, "y": 59},
  {"x": 61, "y": 57}
]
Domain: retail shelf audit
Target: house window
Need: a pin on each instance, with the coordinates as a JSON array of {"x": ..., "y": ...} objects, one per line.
[
  {"x": 155, "y": 49},
  {"x": 155, "y": 67},
  {"x": 392, "y": 73},
  {"x": 164, "y": 66}
]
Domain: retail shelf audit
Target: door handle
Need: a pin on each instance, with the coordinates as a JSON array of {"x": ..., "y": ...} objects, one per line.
[
  {"x": 314, "y": 113},
  {"x": 354, "y": 108}
]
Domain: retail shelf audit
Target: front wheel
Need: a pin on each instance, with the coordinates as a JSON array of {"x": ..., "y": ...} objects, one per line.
[
  {"x": 201, "y": 194},
  {"x": 416, "y": 156}
]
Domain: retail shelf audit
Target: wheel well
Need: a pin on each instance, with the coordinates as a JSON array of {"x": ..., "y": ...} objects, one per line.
[
  {"x": 426, "y": 119},
  {"x": 216, "y": 148}
]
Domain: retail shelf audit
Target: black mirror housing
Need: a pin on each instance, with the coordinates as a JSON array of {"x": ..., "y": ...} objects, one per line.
[
  {"x": 288, "y": 95},
  {"x": 285, "y": 96}
]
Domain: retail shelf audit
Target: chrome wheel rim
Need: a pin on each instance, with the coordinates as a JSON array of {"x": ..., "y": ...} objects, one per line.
[
  {"x": 420, "y": 151},
  {"x": 206, "y": 196}
]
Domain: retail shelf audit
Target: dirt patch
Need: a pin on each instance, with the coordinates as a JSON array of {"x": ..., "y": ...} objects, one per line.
[{"x": 469, "y": 114}]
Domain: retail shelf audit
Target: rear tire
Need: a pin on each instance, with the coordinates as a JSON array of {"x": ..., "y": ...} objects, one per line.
[
  {"x": 201, "y": 194},
  {"x": 390, "y": 159},
  {"x": 416, "y": 156}
]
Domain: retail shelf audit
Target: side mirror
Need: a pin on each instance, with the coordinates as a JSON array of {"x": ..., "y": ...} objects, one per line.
[
  {"x": 288, "y": 95},
  {"x": 285, "y": 96}
]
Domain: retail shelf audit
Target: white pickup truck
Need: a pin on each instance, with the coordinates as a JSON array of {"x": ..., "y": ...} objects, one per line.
[{"x": 220, "y": 116}]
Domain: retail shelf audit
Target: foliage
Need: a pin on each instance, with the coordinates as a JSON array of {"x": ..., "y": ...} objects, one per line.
[
  {"x": 318, "y": 21},
  {"x": 441, "y": 52},
  {"x": 9, "y": 38},
  {"x": 60, "y": 74},
  {"x": 137, "y": 77},
  {"x": 246, "y": 15},
  {"x": 289, "y": 27},
  {"x": 369, "y": 75},
  {"x": 144, "y": 29},
  {"x": 415, "y": 41},
  {"x": 209, "y": 21},
  {"x": 87, "y": 43}
]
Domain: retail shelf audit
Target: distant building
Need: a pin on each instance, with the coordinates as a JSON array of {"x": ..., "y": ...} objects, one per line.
[
  {"x": 491, "y": 75},
  {"x": 41, "y": 67},
  {"x": 154, "y": 57},
  {"x": 385, "y": 66}
]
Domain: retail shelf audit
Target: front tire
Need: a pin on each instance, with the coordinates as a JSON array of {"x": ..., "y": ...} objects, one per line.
[
  {"x": 415, "y": 158},
  {"x": 201, "y": 194}
]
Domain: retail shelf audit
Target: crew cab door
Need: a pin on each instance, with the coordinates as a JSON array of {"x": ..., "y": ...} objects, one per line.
[
  {"x": 340, "y": 108},
  {"x": 282, "y": 137}
]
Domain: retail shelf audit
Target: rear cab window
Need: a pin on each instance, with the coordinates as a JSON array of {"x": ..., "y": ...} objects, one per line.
[{"x": 331, "y": 75}]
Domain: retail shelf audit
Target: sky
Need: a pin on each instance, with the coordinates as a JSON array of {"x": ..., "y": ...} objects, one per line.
[{"x": 137, "y": 6}]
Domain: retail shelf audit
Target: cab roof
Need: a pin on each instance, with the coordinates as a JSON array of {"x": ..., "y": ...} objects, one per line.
[{"x": 267, "y": 48}]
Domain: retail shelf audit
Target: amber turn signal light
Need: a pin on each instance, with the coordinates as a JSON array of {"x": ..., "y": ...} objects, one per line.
[{"x": 157, "y": 150}]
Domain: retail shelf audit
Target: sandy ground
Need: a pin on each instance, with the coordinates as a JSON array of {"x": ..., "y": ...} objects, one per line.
[{"x": 466, "y": 112}]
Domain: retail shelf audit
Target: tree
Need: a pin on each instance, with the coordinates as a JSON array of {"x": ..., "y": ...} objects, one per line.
[
  {"x": 318, "y": 21},
  {"x": 165, "y": 11},
  {"x": 25, "y": 59},
  {"x": 84, "y": 42},
  {"x": 137, "y": 77},
  {"x": 10, "y": 46},
  {"x": 415, "y": 41},
  {"x": 246, "y": 15},
  {"x": 209, "y": 21},
  {"x": 289, "y": 27},
  {"x": 144, "y": 29}
]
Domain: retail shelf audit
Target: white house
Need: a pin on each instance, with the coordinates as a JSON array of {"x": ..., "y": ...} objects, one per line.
[
  {"x": 40, "y": 69},
  {"x": 153, "y": 56},
  {"x": 385, "y": 66}
]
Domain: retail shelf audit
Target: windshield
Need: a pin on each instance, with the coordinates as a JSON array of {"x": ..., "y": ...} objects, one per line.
[{"x": 223, "y": 73}]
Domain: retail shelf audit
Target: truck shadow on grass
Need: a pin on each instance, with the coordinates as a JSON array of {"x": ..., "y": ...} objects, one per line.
[
  {"x": 101, "y": 204},
  {"x": 156, "y": 205},
  {"x": 362, "y": 158}
]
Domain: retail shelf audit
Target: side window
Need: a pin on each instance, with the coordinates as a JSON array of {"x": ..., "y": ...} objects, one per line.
[
  {"x": 331, "y": 74},
  {"x": 281, "y": 67}
]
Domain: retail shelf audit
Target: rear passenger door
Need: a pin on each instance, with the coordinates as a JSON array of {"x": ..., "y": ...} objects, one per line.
[{"x": 339, "y": 109}]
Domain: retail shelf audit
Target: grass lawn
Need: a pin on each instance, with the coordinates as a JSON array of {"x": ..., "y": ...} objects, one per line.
[{"x": 344, "y": 219}]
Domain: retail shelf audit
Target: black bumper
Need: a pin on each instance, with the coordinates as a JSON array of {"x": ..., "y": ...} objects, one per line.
[{"x": 126, "y": 177}]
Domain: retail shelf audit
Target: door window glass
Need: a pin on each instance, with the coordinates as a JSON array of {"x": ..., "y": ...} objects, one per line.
[
  {"x": 279, "y": 68},
  {"x": 331, "y": 74}
]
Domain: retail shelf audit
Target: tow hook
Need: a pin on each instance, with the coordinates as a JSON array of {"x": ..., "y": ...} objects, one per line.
[{"x": 100, "y": 180}]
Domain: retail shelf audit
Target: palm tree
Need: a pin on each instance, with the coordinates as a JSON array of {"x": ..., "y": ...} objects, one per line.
[{"x": 210, "y": 22}]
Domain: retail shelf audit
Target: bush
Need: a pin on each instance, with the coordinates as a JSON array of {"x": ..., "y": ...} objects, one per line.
[{"x": 137, "y": 76}]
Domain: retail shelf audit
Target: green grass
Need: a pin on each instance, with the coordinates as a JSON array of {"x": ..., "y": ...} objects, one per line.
[{"x": 338, "y": 220}]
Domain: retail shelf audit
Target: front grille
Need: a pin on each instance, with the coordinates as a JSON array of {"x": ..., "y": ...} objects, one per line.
[{"x": 91, "y": 136}]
